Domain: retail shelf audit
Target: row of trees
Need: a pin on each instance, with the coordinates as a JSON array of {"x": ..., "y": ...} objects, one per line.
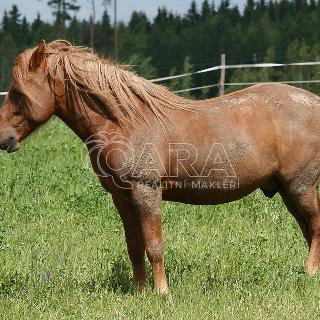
[{"x": 274, "y": 31}]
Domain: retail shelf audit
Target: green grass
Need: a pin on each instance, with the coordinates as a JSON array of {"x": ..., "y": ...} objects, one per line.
[{"x": 63, "y": 254}]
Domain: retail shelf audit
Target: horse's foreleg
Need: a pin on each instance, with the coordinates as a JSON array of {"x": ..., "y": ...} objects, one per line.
[
  {"x": 147, "y": 202},
  {"x": 134, "y": 239}
]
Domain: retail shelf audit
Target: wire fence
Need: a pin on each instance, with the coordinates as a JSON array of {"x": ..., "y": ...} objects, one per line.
[{"x": 237, "y": 66}]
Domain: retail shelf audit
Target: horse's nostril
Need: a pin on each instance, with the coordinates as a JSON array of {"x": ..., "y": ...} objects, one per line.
[
  {"x": 4, "y": 145},
  {"x": 9, "y": 143},
  {"x": 12, "y": 144}
]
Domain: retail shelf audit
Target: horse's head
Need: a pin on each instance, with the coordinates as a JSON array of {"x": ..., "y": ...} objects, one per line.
[{"x": 30, "y": 101}]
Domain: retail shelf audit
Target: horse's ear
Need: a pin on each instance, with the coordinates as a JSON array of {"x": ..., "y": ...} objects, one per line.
[{"x": 38, "y": 55}]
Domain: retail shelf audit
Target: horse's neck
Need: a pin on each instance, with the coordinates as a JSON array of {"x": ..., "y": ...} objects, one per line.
[{"x": 84, "y": 122}]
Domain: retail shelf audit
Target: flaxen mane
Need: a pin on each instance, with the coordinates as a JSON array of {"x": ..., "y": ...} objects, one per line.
[{"x": 106, "y": 87}]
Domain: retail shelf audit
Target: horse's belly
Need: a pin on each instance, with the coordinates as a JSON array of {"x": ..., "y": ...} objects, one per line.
[{"x": 207, "y": 192}]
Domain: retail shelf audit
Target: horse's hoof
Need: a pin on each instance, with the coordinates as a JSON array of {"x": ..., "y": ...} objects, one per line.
[
  {"x": 312, "y": 270},
  {"x": 163, "y": 291},
  {"x": 139, "y": 287}
]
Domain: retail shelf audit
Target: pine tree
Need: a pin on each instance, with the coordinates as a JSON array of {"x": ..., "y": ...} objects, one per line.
[
  {"x": 249, "y": 10},
  {"x": 139, "y": 22},
  {"x": 205, "y": 10},
  {"x": 14, "y": 23},
  {"x": 37, "y": 23},
  {"x": 92, "y": 23},
  {"x": 193, "y": 14},
  {"x": 313, "y": 5},
  {"x": 272, "y": 11},
  {"x": 24, "y": 32},
  {"x": 74, "y": 31},
  {"x": 104, "y": 35},
  {"x": 161, "y": 19},
  {"x": 5, "y": 23},
  {"x": 224, "y": 7},
  {"x": 213, "y": 8},
  {"x": 8, "y": 51},
  {"x": 61, "y": 12},
  {"x": 14, "y": 15}
]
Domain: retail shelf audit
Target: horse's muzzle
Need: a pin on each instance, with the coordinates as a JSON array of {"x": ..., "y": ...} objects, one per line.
[{"x": 11, "y": 144}]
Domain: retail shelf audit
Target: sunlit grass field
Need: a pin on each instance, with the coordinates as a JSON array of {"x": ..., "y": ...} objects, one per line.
[{"x": 63, "y": 253}]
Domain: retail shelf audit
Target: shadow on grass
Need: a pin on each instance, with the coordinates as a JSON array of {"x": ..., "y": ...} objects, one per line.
[
  {"x": 119, "y": 279},
  {"x": 11, "y": 284}
]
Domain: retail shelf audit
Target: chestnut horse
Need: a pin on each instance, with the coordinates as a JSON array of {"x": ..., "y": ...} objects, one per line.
[{"x": 147, "y": 145}]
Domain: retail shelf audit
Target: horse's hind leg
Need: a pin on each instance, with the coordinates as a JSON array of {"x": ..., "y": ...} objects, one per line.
[
  {"x": 293, "y": 209},
  {"x": 308, "y": 205}
]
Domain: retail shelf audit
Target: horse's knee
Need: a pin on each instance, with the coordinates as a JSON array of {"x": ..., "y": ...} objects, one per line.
[{"x": 154, "y": 251}]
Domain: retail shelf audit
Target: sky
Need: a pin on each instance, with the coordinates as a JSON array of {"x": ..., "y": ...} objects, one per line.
[{"x": 30, "y": 8}]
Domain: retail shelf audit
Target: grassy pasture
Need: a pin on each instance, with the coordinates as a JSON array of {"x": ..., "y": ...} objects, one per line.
[{"x": 63, "y": 255}]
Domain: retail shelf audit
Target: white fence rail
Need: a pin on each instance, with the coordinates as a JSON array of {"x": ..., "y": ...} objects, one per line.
[{"x": 238, "y": 66}]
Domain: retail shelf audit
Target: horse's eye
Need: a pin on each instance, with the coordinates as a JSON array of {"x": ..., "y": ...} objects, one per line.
[
  {"x": 15, "y": 95},
  {"x": 18, "y": 99}
]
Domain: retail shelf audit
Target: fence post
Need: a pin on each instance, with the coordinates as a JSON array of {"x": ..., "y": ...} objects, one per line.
[{"x": 222, "y": 74}]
